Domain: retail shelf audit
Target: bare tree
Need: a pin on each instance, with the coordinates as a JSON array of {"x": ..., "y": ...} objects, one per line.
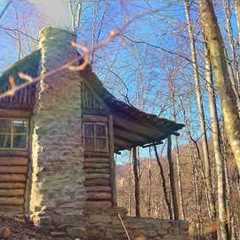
[
  {"x": 237, "y": 10},
  {"x": 164, "y": 184},
  {"x": 207, "y": 168},
  {"x": 216, "y": 135},
  {"x": 76, "y": 11},
  {"x": 216, "y": 48},
  {"x": 172, "y": 91},
  {"x": 173, "y": 191}
]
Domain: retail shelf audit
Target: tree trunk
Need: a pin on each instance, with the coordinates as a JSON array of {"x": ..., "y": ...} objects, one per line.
[
  {"x": 233, "y": 62},
  {"x": 164, "y": 185},
  {"x": 219, "y": 160},
  {"x": 172, "y": 180},
  {"x": 237, "y": 10},
  {"x": 172, "y": 91},
  {"x": 215, "y": 45},
  {"x": 137, "y": 182},
  {"x": 207, "y": 168},
  {"x": 179, "y": 181},
  {"x": 149, "y": 187}
]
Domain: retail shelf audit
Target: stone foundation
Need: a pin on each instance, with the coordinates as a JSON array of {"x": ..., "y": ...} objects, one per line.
[{"x": 105, "y": 224}]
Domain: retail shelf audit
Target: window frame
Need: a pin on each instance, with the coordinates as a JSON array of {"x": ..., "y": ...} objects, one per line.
[
  {"x": 95, "y": 137},
  {"x": 12, "y": 134}
]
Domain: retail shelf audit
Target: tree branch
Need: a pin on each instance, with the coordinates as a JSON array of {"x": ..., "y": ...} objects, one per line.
[{"x": 5, "y": 9}]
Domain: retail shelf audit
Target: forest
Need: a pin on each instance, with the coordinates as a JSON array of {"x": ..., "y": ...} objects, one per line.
[{"x": 177, "y": 59}]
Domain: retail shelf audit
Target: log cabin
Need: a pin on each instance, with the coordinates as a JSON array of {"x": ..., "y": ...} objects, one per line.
[{"x": 59, "y": 134}]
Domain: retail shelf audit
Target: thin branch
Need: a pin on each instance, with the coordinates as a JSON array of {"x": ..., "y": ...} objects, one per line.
[
  {"x": 5, "y": 9},
  {"x": 15, "y": 30},
  {"x": 86, "y": 53},
  {"x": 124, "y": 226},
  {"x": 158, "y": 47}
]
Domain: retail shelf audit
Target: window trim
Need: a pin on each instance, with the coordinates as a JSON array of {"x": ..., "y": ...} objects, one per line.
[
  {"x": 95, "y": 137},
  {"x": 11, "y": 148}
]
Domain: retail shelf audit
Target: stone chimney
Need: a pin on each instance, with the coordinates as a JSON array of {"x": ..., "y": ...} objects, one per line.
[{"x": 57, "y": 194}]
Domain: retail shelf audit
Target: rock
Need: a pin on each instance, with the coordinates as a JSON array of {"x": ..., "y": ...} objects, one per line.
[
  {"x": 76, "y": 232},
  {"x": 6, "y": 233}
]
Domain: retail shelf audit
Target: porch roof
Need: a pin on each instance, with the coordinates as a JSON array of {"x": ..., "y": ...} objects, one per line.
[{"x": 132, "y": 127}]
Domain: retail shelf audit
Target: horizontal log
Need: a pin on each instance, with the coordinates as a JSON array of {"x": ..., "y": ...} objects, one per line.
[
  {"x": 96, "y": 155},
  {"x": 97, "y": 176},
  {"x": 99, "y": 204},
  {"x": 12, "y": 185},
  {"x": 10, "y": 161},
  {"x": 97, "y": 182},
  {"x": 11, "y": 192},
  {"x": 96, "y": 160},
  {"x": 96, "y": 165},
  {"x": 99, "y": 196},
  {"x": 98, "y": 189},
  {"x": 13, "y": 169},
  {"x": 12, "y": 211},
  {"x": 15, "y": 113},
  {"x": 7, "y": 208},
  {"x": 95, "y": 118},
  {"x": 93, "y": 171},
  {"x": 12, "y": 178},
  {"x": 12, "y": 201}
]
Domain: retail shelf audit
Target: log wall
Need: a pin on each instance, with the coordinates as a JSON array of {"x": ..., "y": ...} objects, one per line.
[
  {"x": 99, "y": 169},
  {"x": 13, "y": 179},
  {"x": 98, "y": 180}
]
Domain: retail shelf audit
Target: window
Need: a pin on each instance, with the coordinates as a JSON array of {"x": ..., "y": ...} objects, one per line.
[
  {"x": 95, "y": 137},
  {"x": 13, "y": 133}
]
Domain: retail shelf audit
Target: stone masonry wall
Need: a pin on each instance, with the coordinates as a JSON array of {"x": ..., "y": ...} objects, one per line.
[
  {"x": 105, "y": 224},
  {"x": 57, "y": 194},
  {"x": 154, "y": 229}
]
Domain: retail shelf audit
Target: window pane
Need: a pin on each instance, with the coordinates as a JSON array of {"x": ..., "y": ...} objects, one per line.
[
  {"x": 101, "y": 144},
  {"x": 89, "y": 144},
  {"x": 5, "y": 141},
  {"x": 100, "y": 130},
  {"x": 20, "y": 141},
  {"x": 5, "y": 126},
  {"x": 20, "y": 126},
  {"x": 88, "y": 130}
]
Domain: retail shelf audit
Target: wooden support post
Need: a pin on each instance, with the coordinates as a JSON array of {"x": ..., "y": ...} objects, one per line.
[
  {"x": 112, "y": 163},
  {"x": 172, "y": 180},
  {"x": 136, "y": 180}
]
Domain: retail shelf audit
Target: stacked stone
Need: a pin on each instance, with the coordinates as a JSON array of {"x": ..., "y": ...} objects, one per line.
[{"x": 58, "y": 193}]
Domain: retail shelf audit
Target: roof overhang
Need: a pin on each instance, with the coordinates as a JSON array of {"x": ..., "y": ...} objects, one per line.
[{"x": 142, "y": 130}]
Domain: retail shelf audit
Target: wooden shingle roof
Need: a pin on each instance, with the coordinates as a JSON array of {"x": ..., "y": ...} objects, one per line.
[{"x": 24, "y": 98}]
